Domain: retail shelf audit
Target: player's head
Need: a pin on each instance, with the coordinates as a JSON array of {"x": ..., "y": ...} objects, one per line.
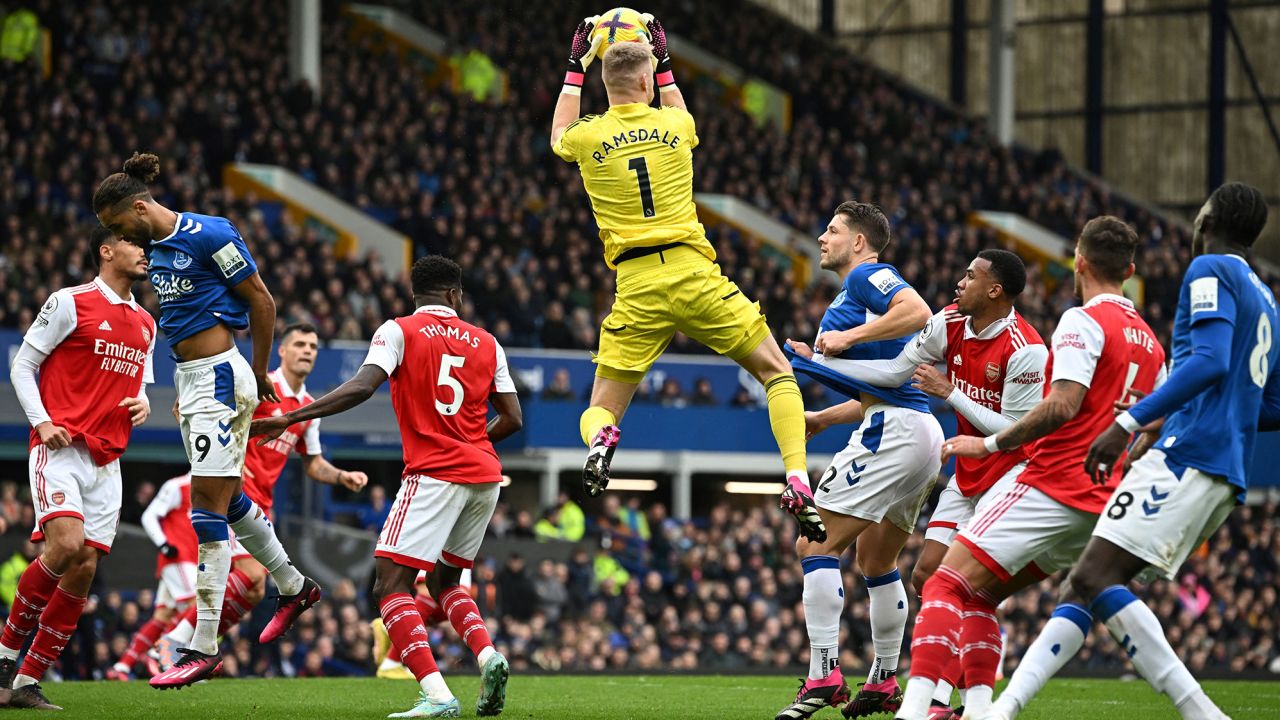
[
  {"x": 113, "y": 254},
  {"x": 1234, "y": 214},
  {"x": 856, "y": 232},
  {"x": 123, "y": 203},
  {"x": 627, "y": 71},
  {"x": 298, "y": 347},
  {"x": 437, "y": 280},
  {"x": 994, "y": 277},
  {"x": 1104, "y": 252}
]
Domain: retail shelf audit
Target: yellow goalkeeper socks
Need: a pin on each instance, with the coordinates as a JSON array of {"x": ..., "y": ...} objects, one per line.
[
  {"x": 786, "y": 417},
  {"x": 594, "y": 418}
]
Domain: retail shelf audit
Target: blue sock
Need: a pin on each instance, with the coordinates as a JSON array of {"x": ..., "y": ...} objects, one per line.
[
  {"x": 238, "y": 507},
  {"x": 209, "y": 526}
]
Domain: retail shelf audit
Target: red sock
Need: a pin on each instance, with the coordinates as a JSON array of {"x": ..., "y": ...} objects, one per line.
[
  {"x": 980, "y": 642},
  {"x": 936, "y": 639},
  {"x": 432, "y": 613},
  {"x": 57, "y": 623},
  {"x": 146, "y": 636},
  {"x": 34, "y": 588},
  {"x": 234, "y": 606},
  {"x": 953, "y": 673},
  {"x": 465, "y": 618},
  {"x": 404, "y": 625}
]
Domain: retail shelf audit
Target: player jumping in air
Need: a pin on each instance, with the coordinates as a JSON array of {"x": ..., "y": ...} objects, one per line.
[
  {"x": 263, "y": 464},
  {"x": 91, "y": 347},
  {"x": 1040, "y": 518},
  {"x": 995, "y": 375},
  {"x": 209, "y": 286},
  {"x": 873, "y": 490},
  {"x": 1180, "y": 491},
  {"x": 444, "y": 373},
  {"x": 637, "y": 166}
]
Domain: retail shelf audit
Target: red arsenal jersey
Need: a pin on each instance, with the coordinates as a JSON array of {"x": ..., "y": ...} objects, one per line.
[
  {"x": 99, "y": 349},
  {"x": 167, "y": 519},
  {"x": 1107, "y": 347},
  {"x": 442, "y": 372},
  {"x": 986, "y": 368},
  {"x": 264, "y": 463}
]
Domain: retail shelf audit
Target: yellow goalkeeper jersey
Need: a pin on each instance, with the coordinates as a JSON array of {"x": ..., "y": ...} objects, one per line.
[{"x": 637, "y": 165}]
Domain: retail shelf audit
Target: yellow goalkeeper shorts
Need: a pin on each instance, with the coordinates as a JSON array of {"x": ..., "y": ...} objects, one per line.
[{"x": 675, "y": 290}]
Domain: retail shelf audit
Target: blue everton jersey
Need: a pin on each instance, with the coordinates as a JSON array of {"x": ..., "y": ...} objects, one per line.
[
  {"x": 193, "y": 272},
  {"x": 1215, "y": 431},
  {"x": 866, "y": 295}
]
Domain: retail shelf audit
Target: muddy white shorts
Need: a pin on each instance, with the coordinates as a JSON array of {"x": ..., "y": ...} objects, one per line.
[
  {"x": 434, "y": 521},
  {"x": 216, "y": 399},
  {"x": 1161, "y": 514},
  {"x": 887, "y": 470}
]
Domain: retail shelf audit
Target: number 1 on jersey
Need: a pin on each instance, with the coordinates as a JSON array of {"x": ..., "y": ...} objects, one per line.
[
  {"x": 448, "y": 363},
  {"x": 641, "y": 169}
]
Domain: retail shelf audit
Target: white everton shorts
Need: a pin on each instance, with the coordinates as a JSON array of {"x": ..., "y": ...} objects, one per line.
[
  {"x": 216, "y": 399},
  {"x": 1016, "y": 525},
  {"x": 954, "y": 510},
  {"x": 67, "y": 483},
  {"x": 888, "y": 468},
  {"x": 177, "y": 585},
  {"x": 1161, "y": 514},
  {"x": 434, "y": 521}
]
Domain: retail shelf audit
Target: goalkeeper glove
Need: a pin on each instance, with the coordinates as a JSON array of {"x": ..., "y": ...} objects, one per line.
[
  {"x": 582, "y": 51},
  {"x": 169, "y": 551},
  {"x": 658, "y": 39}
]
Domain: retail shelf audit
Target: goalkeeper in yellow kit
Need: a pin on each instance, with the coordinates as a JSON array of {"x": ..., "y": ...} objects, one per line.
[{"x": 637, "y": 165}]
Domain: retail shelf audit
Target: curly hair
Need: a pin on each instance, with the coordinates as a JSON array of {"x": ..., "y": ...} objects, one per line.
[{"x": 139, "y": 170}]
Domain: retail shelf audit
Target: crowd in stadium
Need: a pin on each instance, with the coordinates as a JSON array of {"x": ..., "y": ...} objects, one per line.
[{"x": 483, "y": 186}]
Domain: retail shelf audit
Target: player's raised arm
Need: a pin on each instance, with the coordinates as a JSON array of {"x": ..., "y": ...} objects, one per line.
[
  {"x": 582, "y": 50},
  {"x": 349, "y": 394},
  {"x": 907, "y": 313},
  {"x": 668, "y": 93},
  {"x": 262, "y": 327},
  {"x": 929, "y": 347}
]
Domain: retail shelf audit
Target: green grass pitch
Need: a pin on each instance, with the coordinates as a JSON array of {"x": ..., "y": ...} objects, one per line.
[{"x": 565, "y": 697}]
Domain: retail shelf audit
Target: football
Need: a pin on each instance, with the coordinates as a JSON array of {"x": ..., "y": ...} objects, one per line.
[{"x": 619, "y": 25}]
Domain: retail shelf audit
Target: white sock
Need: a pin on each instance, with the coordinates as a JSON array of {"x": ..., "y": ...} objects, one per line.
[
  {"x": 389, "y": 664},
  {"x": 435, "y": 688},
  {"x": 182, "y": 632},
  {"x": 977, "y": 701},
  {"x": 9, "y": 653},
  {"x": 916, "y": 698},
  {"x": 1136, "y": 628},
  {"x": 485, "y": 653},
  {"x": 211, "y": 585},
  {"x": 121, "y": 667},
  {"x": 823, "y": 603},
  {"x": 888, "y": 613},
  {"x": 256, "y": 534},
  {"x": 964, "y": 695},
  {"x": 942, "y": 692},
  {"x": 23, "y": 681},
  {"x": 1059, "y": 641}
]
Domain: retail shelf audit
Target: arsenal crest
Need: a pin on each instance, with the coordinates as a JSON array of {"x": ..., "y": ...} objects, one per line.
[
  {"x": 58, "y": 497},
  {"x": 993, "y": 372}
]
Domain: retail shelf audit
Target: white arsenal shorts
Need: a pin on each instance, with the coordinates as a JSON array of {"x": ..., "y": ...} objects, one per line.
[
  {"x": 1161, "y": 514},
  {"x": 888, "y": 468},
  {"x": 66, "y": 483},
  {"x": 432, "y": 520},
  {"x": 954, "y": 510},
  {"x": 1016, "y": 525},
  {"x": 216, "y": 399},
  {"x": 177, "y": 585}
]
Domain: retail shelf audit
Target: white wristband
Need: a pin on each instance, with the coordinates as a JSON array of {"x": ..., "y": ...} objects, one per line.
[
  {"x": 668, "y": 88},
  {"x": 571, "y": 90},
  {"x": 1128, "y": 422},
  {"x": 990, "y": 444}
]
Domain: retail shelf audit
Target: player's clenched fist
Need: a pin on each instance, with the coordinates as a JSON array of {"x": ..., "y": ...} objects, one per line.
[
  {"x": 270, "y": 427},
  {"x": 54, "y": 437}
]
